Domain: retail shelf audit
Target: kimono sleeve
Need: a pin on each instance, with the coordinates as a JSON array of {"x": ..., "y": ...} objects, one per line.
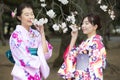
[
  {"x": 98, "y": 54},
  {"x": 68, "y": 67},
  {"x": 44, "y": 68},
  {"x": 21, "y": 53},
  {"x": 49, "y": 53}
]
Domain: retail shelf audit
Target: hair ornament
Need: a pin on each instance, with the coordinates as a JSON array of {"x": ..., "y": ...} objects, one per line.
[{"x": 13, "y": 14}]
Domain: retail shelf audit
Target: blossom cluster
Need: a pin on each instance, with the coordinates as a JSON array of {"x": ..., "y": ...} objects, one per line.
[
  {"x": 107, "y": 8},
  {"x": 71, "y": 19},
  {"x": 68, "y": 20},
  {"x": 41, "y": 21},
  {"x": 60, "y": 25}
]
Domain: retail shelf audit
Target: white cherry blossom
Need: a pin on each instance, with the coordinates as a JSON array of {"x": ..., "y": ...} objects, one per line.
[
  {"x": 56, "y": 27},
  {"x": 63, "y": 25},
  {"x": 42, "y": 0},
  {"x": 74, "y": 27},
  {"x": 104, "y": 7},
  {"x": 65, "y": 30},
  {"x": 43, "y": 4},
  {"x": 71, "y": 19},
  {"x": 64, "y": 1},
  {"x": 51, "y": 13},
  {"x": 99, "y": 1},
  {"x": 40, "y": 21}
]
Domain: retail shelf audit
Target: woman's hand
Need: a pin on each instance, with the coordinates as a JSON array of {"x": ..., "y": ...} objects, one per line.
[
  {"x": 74, "y": 34},
  {"x": 40, "y": 28}
]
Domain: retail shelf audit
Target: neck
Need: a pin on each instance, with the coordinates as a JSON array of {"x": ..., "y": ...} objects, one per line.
[
  {"x": 26, "y": 27},
  {"x": 92, "y": 34}
]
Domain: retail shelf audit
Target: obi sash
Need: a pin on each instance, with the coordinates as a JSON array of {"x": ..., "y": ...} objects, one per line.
[
  {"x": 33, "y": 51},
  {"x": 82, "y": 61}
]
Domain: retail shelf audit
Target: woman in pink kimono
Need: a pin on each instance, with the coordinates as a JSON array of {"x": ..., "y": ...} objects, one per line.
[
  {"x": 87, "y": 61},
  {"x": 28, "y": 66}
]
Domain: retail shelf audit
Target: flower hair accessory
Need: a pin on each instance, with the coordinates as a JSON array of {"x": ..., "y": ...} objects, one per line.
[{"x": 13, "y": 14}]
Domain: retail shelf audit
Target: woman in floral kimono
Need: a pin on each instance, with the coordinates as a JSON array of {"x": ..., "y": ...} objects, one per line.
[
  {"x": 28, "y": 66},
  {"x": 87, "y": 61}
]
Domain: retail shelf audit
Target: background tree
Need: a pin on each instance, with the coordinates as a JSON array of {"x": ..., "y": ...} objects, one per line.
[
  {"x": 3, "y": 8},
  {"x": 82, "y": 6}
]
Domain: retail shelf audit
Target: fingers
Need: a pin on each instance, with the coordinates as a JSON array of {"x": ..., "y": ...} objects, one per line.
[
  {"x": 74, "y": 34},
  {"x": 40, "y": 28}
]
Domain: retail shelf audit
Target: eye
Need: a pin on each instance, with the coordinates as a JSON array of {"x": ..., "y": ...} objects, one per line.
[
  {"x": 86, "y": 23},
  {"x": 32, "y": 14},
  {"x": 26, "y": 14}
]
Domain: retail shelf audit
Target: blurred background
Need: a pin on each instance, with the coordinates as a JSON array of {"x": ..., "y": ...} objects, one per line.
[{"x": 109, "y": 11}]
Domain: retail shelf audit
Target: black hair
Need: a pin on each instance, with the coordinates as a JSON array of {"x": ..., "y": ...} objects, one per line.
[
  {"x": 94, "y": 19},
  {"x": 21, "y": 7}
]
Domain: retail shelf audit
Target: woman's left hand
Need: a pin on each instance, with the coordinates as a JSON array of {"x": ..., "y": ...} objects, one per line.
[{"x": 40, "y": 28}]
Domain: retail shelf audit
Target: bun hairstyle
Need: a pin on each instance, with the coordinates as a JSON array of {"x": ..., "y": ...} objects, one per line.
[{"x": 94, "y": 19}]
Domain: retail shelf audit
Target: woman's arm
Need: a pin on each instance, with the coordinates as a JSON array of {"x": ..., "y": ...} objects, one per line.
[
  {"x": 44, "y": 43},
  {"x": 74, "y": 35},
  {"x": 73, "y": 39},
  {"x": 40, "y": 28}
]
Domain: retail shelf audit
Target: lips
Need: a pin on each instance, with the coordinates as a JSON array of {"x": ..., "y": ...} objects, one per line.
[
  {"x": 29, "y": 21},
  {"x": 83, "y": 29}
]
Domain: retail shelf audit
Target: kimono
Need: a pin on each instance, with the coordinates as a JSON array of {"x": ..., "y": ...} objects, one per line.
[
  {"x": 27, "y": 66},
  {"x": 95, "y": 49}
]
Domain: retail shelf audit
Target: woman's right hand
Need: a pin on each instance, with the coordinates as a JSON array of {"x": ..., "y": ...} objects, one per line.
[{"x": 74, "y": 34}]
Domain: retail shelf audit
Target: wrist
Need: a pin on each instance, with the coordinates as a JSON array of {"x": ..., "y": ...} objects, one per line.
[{"x": 74, "y": 37}]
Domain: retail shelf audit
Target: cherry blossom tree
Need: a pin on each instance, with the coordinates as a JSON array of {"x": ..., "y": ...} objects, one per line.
[
  {"x": 3, "y": 8},
  {"x": 62, "y": 16}
]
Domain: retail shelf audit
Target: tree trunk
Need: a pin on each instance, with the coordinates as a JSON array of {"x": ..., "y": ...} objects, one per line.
[
  {"x": 65, "y": 39},
  {"x": 1, "y": 31}
]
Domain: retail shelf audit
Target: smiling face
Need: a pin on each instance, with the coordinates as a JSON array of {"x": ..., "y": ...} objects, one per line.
[
  {"x": 88, "y": 28},
  {"x": 26, "y": 17}
]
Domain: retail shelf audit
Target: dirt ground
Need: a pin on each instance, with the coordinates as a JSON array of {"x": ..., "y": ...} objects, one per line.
[{"x": 112, "y": 72}]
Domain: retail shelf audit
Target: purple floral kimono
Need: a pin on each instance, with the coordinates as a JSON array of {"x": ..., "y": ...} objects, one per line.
[
  {"x": 97, "y": 61},
  {"x": 27, "y": 66}
]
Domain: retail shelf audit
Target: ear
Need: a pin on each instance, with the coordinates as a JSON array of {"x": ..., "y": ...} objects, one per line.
[
  {"x": 19, "y": 18},
  {"x": 95, "y": 27}
]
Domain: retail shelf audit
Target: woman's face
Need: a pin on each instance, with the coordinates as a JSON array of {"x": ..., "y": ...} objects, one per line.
[
  {"x": 26, "y": 17},
  {"x": 87, "y": 27}
]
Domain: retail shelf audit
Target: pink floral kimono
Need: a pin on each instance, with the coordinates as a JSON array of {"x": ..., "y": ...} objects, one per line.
[
  {"x": 27, "y": 66},
  {"x": 97, "y": 61}
]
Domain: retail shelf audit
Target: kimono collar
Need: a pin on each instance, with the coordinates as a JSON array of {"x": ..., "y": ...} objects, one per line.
[
  {"x": 95, "y": 37},
  {"x": 22, "y": 29},
  {"x": 31, "y": 32},
  {"x": 98, "y": 37}
]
